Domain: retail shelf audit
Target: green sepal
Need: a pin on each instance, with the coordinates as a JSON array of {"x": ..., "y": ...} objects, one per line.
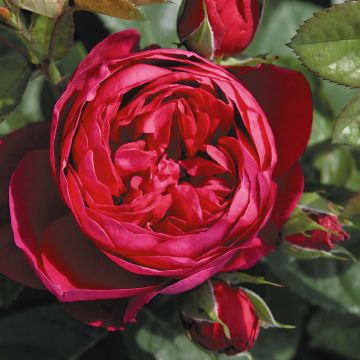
[
  {"x": 250, "y": 61},
  {"x": 263, "y": 312},
  {"x": 237, "y": 278},
  {"x": 200, "y": 305},
  {"x": 303, "y": 253},
  {"x": 201, "y": 40}
]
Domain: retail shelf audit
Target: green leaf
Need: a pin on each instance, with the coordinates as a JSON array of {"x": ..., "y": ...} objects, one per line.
[
  {"x": 68, "y": 64},
  {"x": 335, "y": 333},
  {"x": 9, "y": 291},
  {"x": 347, "y": 126},
  {"x": 15, "y": 72},
  {"x": 263, "y": 311},
  {"x": 202, "y": 39},
  {"x": 62, "y": 37},
  {"x": 237, "y": 278},
  {"x": 248, "y": 61},
  {"x": 123, "y": 9},
  {"x": 31, "y": 108},
  {"x": 41, "y": 33},
  {"x": 329, "y": 44},
  {"x": 45, "y": 333},
  {"x": 50, "y": 8},
  {"x": 302, "y": 253},
  {"x": 314, "y": 201},
  {"x": 332, "y": 285}
]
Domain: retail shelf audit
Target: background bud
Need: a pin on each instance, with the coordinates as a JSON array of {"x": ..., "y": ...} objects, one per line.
[
  {"x": 221, "y": 318},
  {"x": 5, "y": 14},
  {"x": 218, "y": 28},
  {"x": 320, "y": 239}
]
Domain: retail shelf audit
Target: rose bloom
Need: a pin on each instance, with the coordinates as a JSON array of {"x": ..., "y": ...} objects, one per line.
[
  {"x": 235, "y": 310},
  {"x": 321, "y": 239},
  {"x": 232, "y": 25},
  {"x": 164, "y": 169}
]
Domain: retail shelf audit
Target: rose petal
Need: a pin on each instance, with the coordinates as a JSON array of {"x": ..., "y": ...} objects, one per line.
[
  {"x": 13, "y": 263},
  {"x": 249, "y": 256},
  {"x": 12, "y": 149},
  {"x": 64, "y": 259},
  {"x": 290, "y": 189},
  {"x": 285, "y": 96},
  {"x": 108, "y": 314}
]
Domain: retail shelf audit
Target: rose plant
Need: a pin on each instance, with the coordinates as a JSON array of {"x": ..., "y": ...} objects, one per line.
[{"x": 165, "y": 169}]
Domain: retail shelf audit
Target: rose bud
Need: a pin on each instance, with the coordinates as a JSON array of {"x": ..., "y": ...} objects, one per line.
[
  {"x": 165, "y": 169},
  {"x": 5, "y": 14},
  {"x": 218, "y": 28},
  {"x": 233, "y": 326},
  {"x": 325, "y": 239}
]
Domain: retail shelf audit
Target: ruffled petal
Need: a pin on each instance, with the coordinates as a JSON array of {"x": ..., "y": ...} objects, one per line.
[{"x": 65, "y": 260}]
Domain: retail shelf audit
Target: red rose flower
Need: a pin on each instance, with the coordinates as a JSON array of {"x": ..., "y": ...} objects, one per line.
[
  {"x": 236, "y": 312},
  {"x": 321, "y": 239},
  {"x": 229, "y": 25},
  {"x": 164, "y": 169}
]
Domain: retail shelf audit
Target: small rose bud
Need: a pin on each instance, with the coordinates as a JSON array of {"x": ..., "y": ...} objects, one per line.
[
  {"x": 217, "y": 28},
  {"x": 320, "y": 239},
  {"x": 5, "y": 14},
  {"x": 232, "y": 326}
]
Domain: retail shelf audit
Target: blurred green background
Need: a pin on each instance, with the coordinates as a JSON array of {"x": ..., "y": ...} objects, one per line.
[{"x": 321, "y": 297}]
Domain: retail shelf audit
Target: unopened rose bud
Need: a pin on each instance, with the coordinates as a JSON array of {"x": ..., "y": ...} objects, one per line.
[
  {"x": 320, "y": 239},
  {"x": 217, "y": 28},
  {"x": 5, "y": 14},
  {"x": 234, "y": 326}
]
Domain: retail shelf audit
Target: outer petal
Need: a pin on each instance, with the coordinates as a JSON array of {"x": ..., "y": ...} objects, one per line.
[
  {"x": 13, "y": 263},
  {"x": 248, "y": 257},
  {"x": 108, "y": 314},
  {"x": 12, "y": 149},
  {"x": 290, "y": 188},
  {"x": 285, "y": 96},
  {"x": 115, "y": 46},
  {"x": 65, "y": 260}
]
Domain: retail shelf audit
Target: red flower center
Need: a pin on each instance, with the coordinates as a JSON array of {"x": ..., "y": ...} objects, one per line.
[{"x": 174, "y": 154}]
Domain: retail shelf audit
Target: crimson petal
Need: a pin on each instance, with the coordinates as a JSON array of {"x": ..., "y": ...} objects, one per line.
[{"x": 285, "y": 96}]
